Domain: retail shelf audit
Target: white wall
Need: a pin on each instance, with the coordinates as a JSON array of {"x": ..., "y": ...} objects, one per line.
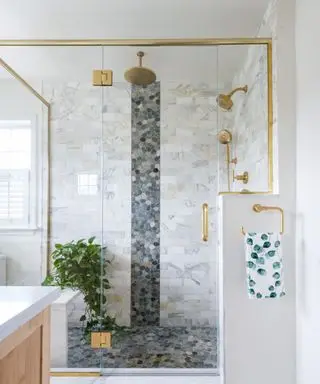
[
  {"x": 123, "y": 19},
  {"x": 259, "y": 337},
  {"x": 308, "y": 207}
]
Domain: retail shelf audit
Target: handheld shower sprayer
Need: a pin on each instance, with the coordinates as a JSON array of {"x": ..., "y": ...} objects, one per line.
[{"x": 225, "y": 138}]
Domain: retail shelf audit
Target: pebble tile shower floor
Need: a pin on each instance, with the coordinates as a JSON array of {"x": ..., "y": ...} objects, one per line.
[{"x": 149, "y": 347}]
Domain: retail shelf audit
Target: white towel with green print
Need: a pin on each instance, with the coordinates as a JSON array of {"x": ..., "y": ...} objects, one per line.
[{"x": 264, "y": 265}]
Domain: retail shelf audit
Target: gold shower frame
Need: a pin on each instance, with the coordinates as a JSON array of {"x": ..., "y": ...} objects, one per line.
[{"x": 140, "y": 43}]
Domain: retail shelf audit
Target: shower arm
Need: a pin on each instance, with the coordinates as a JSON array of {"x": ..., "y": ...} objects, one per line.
[
  {"x": 243, "y": 89},
  {"x": 140, "y": 55}
]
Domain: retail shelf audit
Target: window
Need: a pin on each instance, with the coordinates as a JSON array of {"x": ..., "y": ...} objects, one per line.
[
  {"x": 16, "y": 165},
  {"x": 87, "y": 184}
]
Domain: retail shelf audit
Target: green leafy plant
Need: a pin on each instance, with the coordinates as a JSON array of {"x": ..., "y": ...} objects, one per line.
[{"x": 81, "y": 265}]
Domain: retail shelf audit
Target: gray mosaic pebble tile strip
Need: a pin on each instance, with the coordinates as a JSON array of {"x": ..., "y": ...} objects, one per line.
[
  {"x": 148, "y": 347},
  {"x": 145, "y": 206}
]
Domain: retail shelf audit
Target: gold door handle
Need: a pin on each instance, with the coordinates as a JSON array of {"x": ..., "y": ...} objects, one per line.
[{"x": 205, "y": 222}]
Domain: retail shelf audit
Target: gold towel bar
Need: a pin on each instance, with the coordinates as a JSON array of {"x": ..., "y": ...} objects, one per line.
[{"x": 259, "y": 208}]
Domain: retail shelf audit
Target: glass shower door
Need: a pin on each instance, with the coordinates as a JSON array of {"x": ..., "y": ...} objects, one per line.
[{"x": 57, "y": 194}]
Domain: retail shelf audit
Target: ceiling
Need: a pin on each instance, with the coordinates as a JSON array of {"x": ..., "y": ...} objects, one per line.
[
  {"x": 74, "y": 19},
  {"x": 64, "y": 19}
]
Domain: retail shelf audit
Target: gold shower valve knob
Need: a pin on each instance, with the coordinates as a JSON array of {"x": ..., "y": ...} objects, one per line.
[{"x": 242, "y": 177}]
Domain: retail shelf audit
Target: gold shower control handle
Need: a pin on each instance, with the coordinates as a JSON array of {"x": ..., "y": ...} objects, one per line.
[{"x": 205, "y": 222}]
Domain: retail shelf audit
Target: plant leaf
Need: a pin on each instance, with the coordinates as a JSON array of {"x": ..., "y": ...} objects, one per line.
[{"x": 81, "y": 265}]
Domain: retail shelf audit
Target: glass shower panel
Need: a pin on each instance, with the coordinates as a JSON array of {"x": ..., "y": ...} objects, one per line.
[
  {"x": 243, "y": 118},
  {"x": 64, "y": 162},
  {"x": 76, "y": 212},
  {"x": 160, "y": 168}
]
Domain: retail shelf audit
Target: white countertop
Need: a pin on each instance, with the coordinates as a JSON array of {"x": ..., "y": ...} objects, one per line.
[{"x": 18, "y": 305}]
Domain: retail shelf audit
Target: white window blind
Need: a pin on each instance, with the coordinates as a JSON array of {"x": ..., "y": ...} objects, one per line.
[
  {"x": 87, "y": 184},
  {"x": 14, "y": 197},
  {"x": 15, "y": 172}
]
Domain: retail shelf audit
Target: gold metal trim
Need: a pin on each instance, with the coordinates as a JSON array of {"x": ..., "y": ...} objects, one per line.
[
  {"x": 75, "y": 374},
  {"x": 49, "y": 192},
  {"x": 270, "y": 115},
  {"x": 260, "y": 208},
  {"x": 205, "y": 222},
  {"x": 12, "y": 72},
  {"x": 137, "y": 42},
  {"x": 245, "y": 192}
]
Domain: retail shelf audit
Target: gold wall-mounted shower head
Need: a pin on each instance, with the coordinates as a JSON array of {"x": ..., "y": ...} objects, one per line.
[
  {"x": 225, "y": 101},
  {"x": 140, "y": 75}
]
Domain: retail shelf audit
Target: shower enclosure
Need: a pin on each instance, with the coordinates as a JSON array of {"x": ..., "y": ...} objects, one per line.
[{"x": 115, "y": 193}]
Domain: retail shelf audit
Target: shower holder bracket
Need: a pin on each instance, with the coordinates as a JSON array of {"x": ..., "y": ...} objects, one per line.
[{"x": 102, "y": 77}]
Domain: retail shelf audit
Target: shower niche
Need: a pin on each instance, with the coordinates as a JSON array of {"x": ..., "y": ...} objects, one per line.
[{"x": 123, "y": 173}]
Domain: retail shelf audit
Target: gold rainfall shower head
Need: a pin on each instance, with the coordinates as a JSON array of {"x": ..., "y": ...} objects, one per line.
[
  {"x": 140, "y": 75},
  {"x": 224, "y": 136},
  {"x": 225, "y": 101}
]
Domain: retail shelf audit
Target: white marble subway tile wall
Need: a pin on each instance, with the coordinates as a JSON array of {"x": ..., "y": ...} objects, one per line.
[
  {"x": 189, "y": 165},
  {"x": 82, "y": 204},
  {"x": 248, "y": 120}
]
